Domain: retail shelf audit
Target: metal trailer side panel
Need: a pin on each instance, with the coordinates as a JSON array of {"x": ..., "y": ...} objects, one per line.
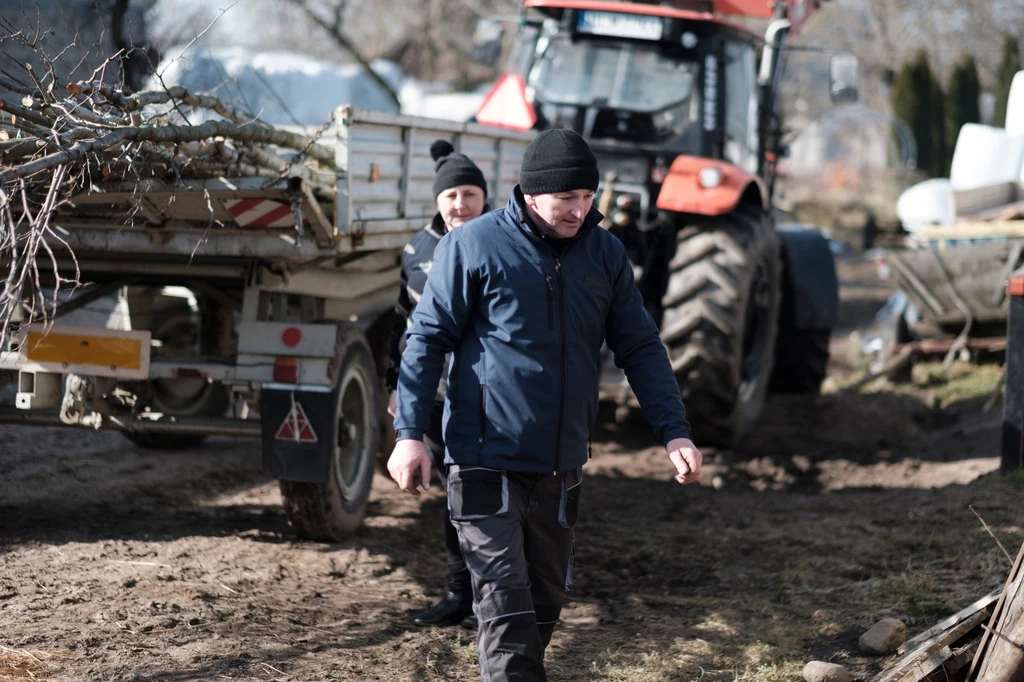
[
  {"x": 386, "y": 173},
  {"x": 384, "y": 192}
]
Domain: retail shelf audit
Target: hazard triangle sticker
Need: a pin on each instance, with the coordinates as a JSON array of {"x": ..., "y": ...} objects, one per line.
[
  {"x": 296, "y": 427},
  {"x": 506, "y": 105}
]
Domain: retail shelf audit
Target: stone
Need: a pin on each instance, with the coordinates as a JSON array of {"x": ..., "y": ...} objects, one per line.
[
  {"x": 820, "y": 671},
  {"x": 884, "y": 637}
]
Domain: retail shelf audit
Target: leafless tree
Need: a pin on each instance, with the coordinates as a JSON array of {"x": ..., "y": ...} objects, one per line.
[{"x": 334, "y": 25}]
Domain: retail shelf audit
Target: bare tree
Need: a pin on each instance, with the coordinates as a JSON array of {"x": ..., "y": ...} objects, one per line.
[{"x": 334, "y": 25}]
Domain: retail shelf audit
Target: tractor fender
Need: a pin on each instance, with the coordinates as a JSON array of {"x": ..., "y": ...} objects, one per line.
[
  {"x": 684, "y": 192},
  {"x": 810, "y": 287}
]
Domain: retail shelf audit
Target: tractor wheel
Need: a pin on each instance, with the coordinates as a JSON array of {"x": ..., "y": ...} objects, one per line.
[
  {"x": 801, "y": 361},
  {"x": 721, "y": 311},
  {"x": 335, "y": 510}
]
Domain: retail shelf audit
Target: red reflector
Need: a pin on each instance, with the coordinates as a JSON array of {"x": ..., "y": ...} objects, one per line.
[
  {"x": 1016, "y": 287},
  {"x": 286, "y": 370},
  {"x": 291, "y": 337}
]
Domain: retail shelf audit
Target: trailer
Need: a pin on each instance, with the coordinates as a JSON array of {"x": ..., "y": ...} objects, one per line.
[
  {"x": 964, "y": 237},
  {"x": 255, "y": 308}
]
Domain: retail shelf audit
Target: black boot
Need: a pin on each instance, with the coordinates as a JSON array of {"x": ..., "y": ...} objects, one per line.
[
  {"x": 449, "y": 611},
  {"x": 470, "y": 622}
]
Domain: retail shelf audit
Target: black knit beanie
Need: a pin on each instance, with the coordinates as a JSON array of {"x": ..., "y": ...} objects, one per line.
[
  {"x": 558, "y": 160},
  {"x": 454, "y": 169}
]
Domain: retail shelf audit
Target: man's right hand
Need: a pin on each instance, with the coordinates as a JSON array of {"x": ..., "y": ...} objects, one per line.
[
  {"x": 409, "y": 459},
  {"x": 686, "y": 458}
]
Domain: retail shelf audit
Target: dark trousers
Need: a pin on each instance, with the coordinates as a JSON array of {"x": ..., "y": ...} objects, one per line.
[
  {"x": 516, "y": 532},
  {"x": 456, "y": 576}
]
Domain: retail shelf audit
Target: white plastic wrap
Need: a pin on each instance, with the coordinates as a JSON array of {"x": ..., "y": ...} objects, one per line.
[
  {"x": 986, "y": 156},
  {"x": 1015, "y": 106},
  {"x": 926, "y": 203}
]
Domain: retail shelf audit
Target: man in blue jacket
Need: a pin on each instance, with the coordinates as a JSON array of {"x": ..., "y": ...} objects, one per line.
[{"x": 523, "y": 298}]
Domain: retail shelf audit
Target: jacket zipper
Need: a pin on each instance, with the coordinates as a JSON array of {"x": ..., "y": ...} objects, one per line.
[
  {"x": 483, "y": 425},
  {"x": 551, "y": 302},
  {"x": 561, "y": 365}
]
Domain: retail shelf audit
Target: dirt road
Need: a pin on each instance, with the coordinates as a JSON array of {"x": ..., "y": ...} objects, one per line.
[{"x": 124, "y": 564}]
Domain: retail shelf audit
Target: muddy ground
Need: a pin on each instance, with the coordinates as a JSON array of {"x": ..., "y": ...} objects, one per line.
[{"x": 124, "y": 564}]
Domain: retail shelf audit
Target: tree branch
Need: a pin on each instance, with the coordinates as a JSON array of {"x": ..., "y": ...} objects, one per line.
[
  {"x": 334, "y": 30},
  {"x": 167, "y": 133}
]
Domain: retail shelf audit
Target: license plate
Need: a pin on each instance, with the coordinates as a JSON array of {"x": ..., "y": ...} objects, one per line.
[
  {"x": 620, "y": 25},
  {"x": 88, "y": 350}
]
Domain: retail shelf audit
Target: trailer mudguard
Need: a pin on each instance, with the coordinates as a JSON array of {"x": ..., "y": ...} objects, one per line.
[
  {"x": 708, "y": 187},
  {"x": 298, "y": 433},
  {"x": 810, "y": 285}
]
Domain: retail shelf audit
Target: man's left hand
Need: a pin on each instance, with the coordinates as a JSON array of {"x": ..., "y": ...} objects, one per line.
[{"x": 686, "y": 458}]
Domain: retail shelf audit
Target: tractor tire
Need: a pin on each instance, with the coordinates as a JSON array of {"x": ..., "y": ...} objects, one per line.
[
  {"x": 801, "y": 361},
  {"x": 333, "y": 511},
  {"x": 721, "y": 311}
]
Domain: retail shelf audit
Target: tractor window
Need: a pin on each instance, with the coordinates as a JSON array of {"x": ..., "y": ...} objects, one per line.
[
  {"x": 741, "y": 134},
  {"x": 615, "y": 75},
  {"x": 522, "y": 55}
]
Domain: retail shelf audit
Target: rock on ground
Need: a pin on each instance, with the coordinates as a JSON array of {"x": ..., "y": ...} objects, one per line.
[
  {"x": 819, "y": 671},
  {"x": 884, "y": 637}
]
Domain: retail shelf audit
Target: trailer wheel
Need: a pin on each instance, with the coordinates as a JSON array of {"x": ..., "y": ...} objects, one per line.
[
  {"x": 183, "y": 396},
  {"x": 335, "y": 510}
]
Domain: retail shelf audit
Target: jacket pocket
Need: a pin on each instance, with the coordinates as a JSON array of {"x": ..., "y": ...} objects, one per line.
[{"x": 476, "y": 492}]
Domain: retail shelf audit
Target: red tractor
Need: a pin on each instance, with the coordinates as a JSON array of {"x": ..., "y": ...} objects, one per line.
[{"x": 678, "y": 102}]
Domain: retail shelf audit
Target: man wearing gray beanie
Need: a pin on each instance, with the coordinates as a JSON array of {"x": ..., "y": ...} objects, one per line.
[{"x": 523, "y": 299}]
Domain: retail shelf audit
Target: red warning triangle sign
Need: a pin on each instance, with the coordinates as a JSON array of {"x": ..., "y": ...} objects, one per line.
[
  {"x": 506, "y": 105},
  {"x": 296, "y": 427}
]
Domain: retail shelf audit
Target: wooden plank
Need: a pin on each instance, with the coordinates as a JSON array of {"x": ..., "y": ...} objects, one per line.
[
  {"x": 952, "y": 621},
  {"x": 969, "y": 202},
  {"x": 1005, "y": 659},
  {"x": 954, "y": 668},
  {"x": 930, "y": 655},
  {"x": 970, "y": 229},
  {"x": 978, "y": 665}
]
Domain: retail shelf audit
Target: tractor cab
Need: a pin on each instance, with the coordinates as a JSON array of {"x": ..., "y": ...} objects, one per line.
[
  {"x": 642, "y": 83},
  {"x": 646, "y": 83}
]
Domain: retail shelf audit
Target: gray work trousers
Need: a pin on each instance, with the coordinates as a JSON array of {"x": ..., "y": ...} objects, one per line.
[{"x": 516, "y": 533}]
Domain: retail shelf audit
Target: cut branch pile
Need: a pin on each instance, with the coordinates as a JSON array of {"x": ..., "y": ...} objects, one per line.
[{"x": 58, "y": 140}]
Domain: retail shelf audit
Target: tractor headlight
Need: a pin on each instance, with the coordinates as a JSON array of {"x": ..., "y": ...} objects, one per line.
[{"x": 710, "y": 178}]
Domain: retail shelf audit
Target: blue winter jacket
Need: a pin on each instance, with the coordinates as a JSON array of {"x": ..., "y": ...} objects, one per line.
[{"x": 525, "y": 328}]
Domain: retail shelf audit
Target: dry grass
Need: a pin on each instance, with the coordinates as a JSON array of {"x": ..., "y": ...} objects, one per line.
[{"x": 18, "y": 664}]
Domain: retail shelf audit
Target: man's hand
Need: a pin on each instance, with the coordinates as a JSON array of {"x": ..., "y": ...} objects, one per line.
[
  {"x": 409, "y": 465},
  {"x": 393, "y": 403},
  {"x": 686, "y": 458}
]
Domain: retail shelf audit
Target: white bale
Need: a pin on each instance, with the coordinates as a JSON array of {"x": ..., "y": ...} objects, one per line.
[
  {"x": 1015, "y": 106},
  {"x": 986, "y": 156},
  {"x": 926, "y": 203}
]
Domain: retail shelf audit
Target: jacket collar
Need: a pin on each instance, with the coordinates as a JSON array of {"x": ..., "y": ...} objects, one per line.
[
  {"x": 516, "y": 209},
  {"x": 438, "y": 228}
]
